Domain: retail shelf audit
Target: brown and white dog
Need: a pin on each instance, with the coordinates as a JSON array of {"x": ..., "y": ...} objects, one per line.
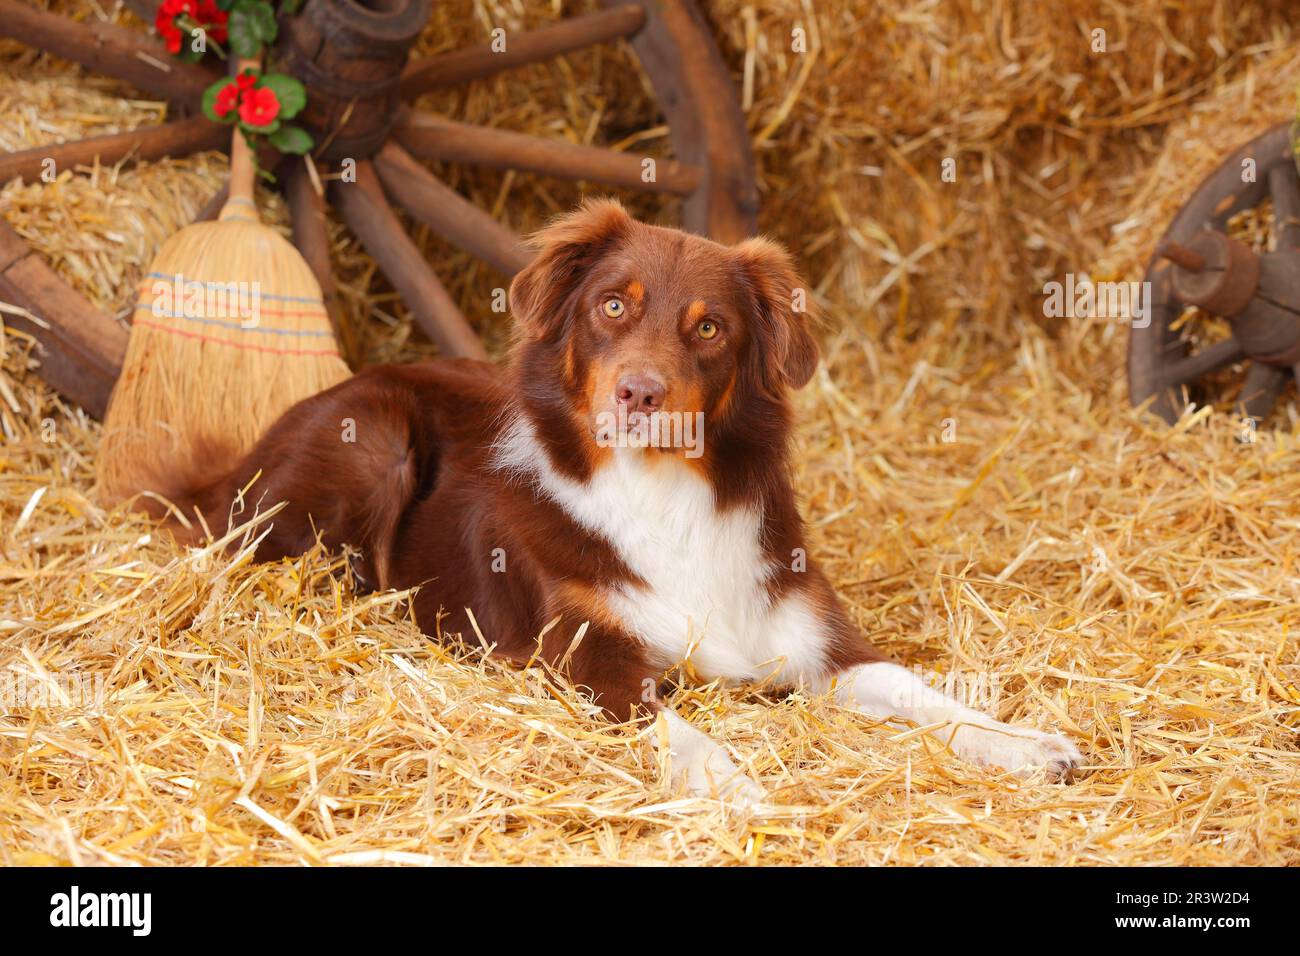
[{"x": 540, "y": 494}]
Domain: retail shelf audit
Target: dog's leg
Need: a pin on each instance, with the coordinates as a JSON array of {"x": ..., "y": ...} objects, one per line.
[
  {"x": 612, "y": 665},
  {"x": 886, "y": 690},
  {"x": 702, "y": 767}
]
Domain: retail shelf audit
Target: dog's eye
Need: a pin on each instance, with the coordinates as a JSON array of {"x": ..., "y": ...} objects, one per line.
[
  {"x": 613, "y": 308},
  {"x": 707, "y": 329}
]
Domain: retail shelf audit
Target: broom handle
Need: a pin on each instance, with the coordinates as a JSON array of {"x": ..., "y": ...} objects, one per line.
[{"x": 240, "y": 204}]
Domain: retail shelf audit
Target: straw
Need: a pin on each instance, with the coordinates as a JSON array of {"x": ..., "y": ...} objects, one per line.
[{"x": 1073, "y": 565}]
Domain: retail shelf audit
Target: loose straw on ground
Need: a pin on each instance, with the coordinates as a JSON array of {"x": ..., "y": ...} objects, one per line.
[{"x": 1062, "y": 561}]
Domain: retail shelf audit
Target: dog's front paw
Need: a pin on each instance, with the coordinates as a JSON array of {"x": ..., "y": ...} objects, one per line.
[
  {"x": 707, "y": 771},
  {"x": 1020, "y": 750},
  {"x": 702, "y": 768}
]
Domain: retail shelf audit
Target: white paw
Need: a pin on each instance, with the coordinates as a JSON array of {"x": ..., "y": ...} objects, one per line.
[
  {"x": 1017, "y": 749},
  {"x": 719, "y": 779},
  {"x": 703, "y": 769}
]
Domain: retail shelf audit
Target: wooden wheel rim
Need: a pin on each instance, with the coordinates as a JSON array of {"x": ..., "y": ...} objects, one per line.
[{"x": 1217, "y": 199}]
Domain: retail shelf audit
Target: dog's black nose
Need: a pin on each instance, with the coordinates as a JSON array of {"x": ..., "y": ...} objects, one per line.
[{"x": 640, "y": 393}]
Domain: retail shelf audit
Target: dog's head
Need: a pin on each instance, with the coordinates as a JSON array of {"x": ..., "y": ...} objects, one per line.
[{"x": 625, "y": 325}]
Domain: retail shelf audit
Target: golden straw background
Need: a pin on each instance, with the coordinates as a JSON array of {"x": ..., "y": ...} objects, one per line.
[{"x": 1133, "y": 585}]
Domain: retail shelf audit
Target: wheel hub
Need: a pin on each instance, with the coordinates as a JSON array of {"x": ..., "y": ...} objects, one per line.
[
  {"x": 349, "y": 54},
  {"x": 1197, "y": 263},
  {"x": 1258, "y": 295}
]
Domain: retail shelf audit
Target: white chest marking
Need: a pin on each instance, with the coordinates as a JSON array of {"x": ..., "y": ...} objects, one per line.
[{"x": 705, "y": 574}]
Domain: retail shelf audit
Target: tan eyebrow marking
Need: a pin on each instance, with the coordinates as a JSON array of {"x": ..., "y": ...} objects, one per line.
[
  {"x": 697, "y": 310},
  {"x": 636, "y": 290}
]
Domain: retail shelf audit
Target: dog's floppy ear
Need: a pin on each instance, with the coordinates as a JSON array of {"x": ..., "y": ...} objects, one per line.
[
  {"x": 783, "y": 308},
  {"x": 566, "y": 248}
]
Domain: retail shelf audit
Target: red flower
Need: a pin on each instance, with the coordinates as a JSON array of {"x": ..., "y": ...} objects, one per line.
[
  {"x": 213, "y": 19},
  {"x": 171, "y": 9},
  {"x": 259, "y": 107},
  {"x": 172, "y": 37},
  {"x": 227, "y": 99},
  {"x": 164, "y": 23},
  {"x": 204, "y": 13},
  {"x": 246, "y": 80}
]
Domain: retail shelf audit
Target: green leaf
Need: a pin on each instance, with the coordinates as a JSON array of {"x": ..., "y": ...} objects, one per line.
[
  {"x": 252, "y": 26},
  {"x": 210, "y": 100},
  {"x": 261, "y": 16},
  {"x": 292, "y": 139},
  {"x": 242, "y": 37},
  {"x": 290, "y": 93},
  {"x": 290, "y": 7}
]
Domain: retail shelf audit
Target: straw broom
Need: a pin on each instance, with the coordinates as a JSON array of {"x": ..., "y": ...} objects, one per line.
[{"x": 230, "y": 330}]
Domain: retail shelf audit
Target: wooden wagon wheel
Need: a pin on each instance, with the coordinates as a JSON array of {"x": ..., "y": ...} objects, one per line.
[
  {"x": 1198, "y": 264},
  {"x": 352, "y": 56}
]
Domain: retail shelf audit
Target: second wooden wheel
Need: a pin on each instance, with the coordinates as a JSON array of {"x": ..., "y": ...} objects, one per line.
[
  {"x": 1254, "y": 294},
  {"x": 352, "y": 55}
]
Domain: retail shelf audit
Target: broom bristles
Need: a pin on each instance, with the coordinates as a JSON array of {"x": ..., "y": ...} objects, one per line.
[{"x": 229, "y": 331}]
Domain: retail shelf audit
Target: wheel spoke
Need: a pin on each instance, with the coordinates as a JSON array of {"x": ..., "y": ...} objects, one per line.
[
  {"x": 179, "y": 138},
  {"x": 212, "y": 208},
  {"x": 1260, "y": 390},
  {"x": 449, "y": 214},
  {"x": 1285, "y": 193},
  {"x": 311, "y": 236},
  {"x": 433, "y": 137},
  {"x": 1219, "y": 355},
  {"x": 81, "y": 347},
  {"x": 574, "y": 33},
  {"x": 368, "y": 214},
  {"x": 107, "y": 48},
  {"x": 695, "y": 92}
]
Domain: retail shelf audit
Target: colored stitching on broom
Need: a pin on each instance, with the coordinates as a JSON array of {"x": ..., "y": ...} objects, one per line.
[
  {"x": 234, "y": 345},
  {"x": 271, "y": 329},
  {"x": 225, "y": 285}
]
